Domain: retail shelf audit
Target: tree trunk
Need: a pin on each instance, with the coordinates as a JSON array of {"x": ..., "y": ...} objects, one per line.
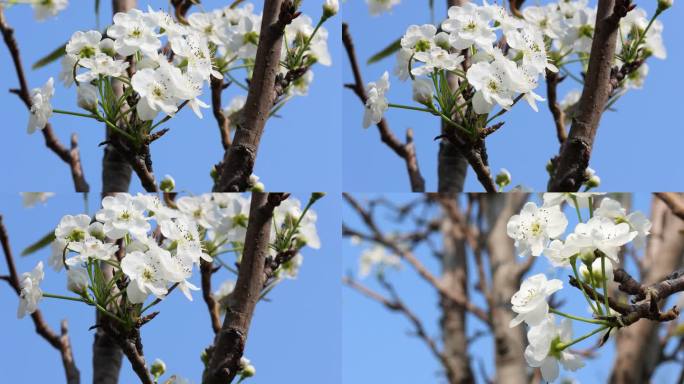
[
  {"x": 638, "y": 346},
  {"x": 453, "y": 321},
  {"x": 116, "y": 177},
  {"x": 506, "y": 274},
  {"x": 452, "y": 166}
]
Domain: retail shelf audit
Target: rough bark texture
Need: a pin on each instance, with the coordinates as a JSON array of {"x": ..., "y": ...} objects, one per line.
[
  {"x": 575, "y": 152},
  {"x": 638, "y": 346},
  {"x": 453, "y": 320},
  {"x": 239, "y": 159},
  {"x": 505, "y": 273},
  {"x": 229, "y": 343}
]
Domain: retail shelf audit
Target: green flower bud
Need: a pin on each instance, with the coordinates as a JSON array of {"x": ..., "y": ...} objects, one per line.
[{"x": 158, "y": 368}]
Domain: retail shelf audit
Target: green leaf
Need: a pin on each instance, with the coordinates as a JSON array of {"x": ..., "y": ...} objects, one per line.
[
  {"x": 52, "y": 56},
  {"x": 389, "y": 50},
  {"x": 40, "y": 244}
]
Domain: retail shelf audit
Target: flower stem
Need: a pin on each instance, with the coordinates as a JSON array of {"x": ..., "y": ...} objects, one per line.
[
  {"x": 593, "y": 285},
  {"x": 588, "y": 335},
  {"x": 578, "y": 318},
  {"x": 63, "y": 112},
  {"x": 574, "y": 270},
  {"x": 577, "y": 209},
  {"x": 400, "y": 106},
  {"x": 63, "y": 297},
  {"x": 605, "y": 284}
]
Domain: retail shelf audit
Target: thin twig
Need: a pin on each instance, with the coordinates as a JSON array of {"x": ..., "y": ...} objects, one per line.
[
  {"x": 69, "y": 156},
  {"x": 59, "y": 342},
  {"x": 406, "y": 151}
]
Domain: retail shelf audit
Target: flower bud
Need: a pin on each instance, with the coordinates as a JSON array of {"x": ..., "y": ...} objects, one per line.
[
  {"x": 87, "y": 96},
  {"x": 423, "y": 91},
  {"x": 597, "y": 271},
  {"x": 593, "y": 182},
  {"x": 664, "y": 4},
  {"x": 255, "y": 185},
  {"x": 158, "y": 368},
  {"x": 168, "y": 184},
  {"x": 246, "y": 368},
  {"x": 587, "y": 257},
  {"x": 503, "y": 178},
  {"x": 77, "y": 280},
  {"x": 315, "y": 196},
  {"x": 330, "y": 8}
]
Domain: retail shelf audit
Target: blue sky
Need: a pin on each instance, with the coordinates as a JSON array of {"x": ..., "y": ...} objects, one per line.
[
  {"x": 376, "y": 342},
  {"x": 294, "y": 338},
  {"x": 633, "y": 148},
  {"x": 309, "y": 127}
]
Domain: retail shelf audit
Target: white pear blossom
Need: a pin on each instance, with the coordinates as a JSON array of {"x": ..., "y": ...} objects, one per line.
[
  {"x": 376, "y": 7},
  {"x": 134, "y": 31},
  {"x": 582, "y": 198},
  {"x": 73, "y": 228},
  {"x": 434, "y": 59},
  {"x": 331, "y": 7},
  {"x": 101, "y": 65},
  {"x": 599, "y": 233},
  {"x": 612, "y": 209},
  {"x": 534, "y": 227},
  {"x": 530, "y": 301},
  {"x": 376, "y": 103},
  {"x": 122, "y": 214},
  {"x": 377, "y": 257},
  {"x": 543, "y": 350},
  {"x": 41, "y": 109},
  {"x": 30, "y": 199},
  {"x": 493, "y": 86},
  {"x": 84, "y": 44},
  {"x": 30, "y": 292},
  {"x": 146, "y": 275},
  {"x": 48, "y": 8},
  {"x": 468, "y": 25},
  {"x": 156, "y": 92}
]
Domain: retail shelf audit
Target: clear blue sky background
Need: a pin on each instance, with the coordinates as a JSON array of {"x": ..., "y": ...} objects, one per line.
[
  {"x": 299, "y": 152},
  {"x": 633, "y": 150},
  {"x": 377, "y": 347},
  {"x": 295, "y": 338}
]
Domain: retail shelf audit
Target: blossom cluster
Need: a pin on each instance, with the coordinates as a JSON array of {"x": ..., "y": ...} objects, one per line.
[
  {"x": 568, "y": 29},
  {"x": 154, "y": 246},
  {"x": 595, "y": 243},
  {"x": 174, "y": 61},
  {"x": 43, "y": 9},
  {"x": 497, "y": 74}
]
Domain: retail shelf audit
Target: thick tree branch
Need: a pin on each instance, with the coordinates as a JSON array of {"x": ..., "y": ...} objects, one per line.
[
  {"x": 552, "y": 81},
  {"x": 217, "y": 87},
  {"x": 238, "y": 161},
  {"x": 406, "y": 151},
  {"x": 224, "y": 355},
  {"x": 69, "y": 156},
  {"x": 212, "y": 306},
  {"x": 573, "y": 159},
  {"x": 59, "y": 342}
]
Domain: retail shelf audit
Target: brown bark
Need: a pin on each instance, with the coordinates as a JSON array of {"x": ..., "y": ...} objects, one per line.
[
  {"x": 224, "y": 355},
  {"x": 506, "y": 274},
  {"x": 638, "y": 346},
  {"x": 575, "y": 152},
  {"x": 453, "y": 320},
  {"x": 238, "y": 161}
]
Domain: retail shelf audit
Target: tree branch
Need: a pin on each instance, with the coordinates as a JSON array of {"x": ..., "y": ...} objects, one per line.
[
  {"x": 238, "y": 161},
  {"x": 552, "y": 81},
  {"x": 405, "y": 151},
  {"x": 212, "y": 306},
  {"x": 59, "y": 342},
  {"x": 397, "y": 305},
  {"x": 573, "y": 159},
  {"x": 69, "y": 156},
  {"x": 224, "y": 355},
  {"x": 674, "y": 201},
  {"x": 217, "y": 87}
]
